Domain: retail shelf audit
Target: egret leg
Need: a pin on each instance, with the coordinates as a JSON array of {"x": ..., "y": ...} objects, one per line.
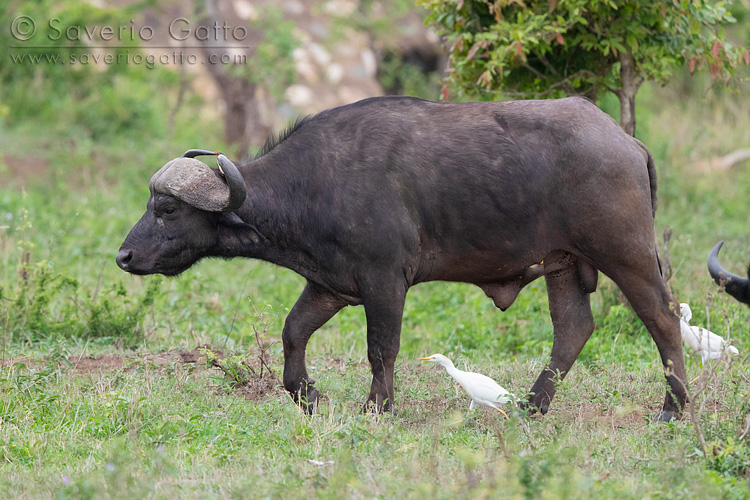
[
  {"x": 384, "y": 308},
  {"x": 573, "y": 324},
  {"x": 313, "y": 308}
]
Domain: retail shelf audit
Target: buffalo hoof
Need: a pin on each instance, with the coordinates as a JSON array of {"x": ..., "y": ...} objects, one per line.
[
  {"x": 307, "y": 399},
  {"x": 373, "y": 407},
  {"x": 310, "y": 402},
  {"x": 667, "y": 416},
  {"x": 532, "y": 407}
]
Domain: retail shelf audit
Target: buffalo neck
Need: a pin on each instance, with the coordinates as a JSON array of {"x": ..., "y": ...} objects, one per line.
[{"x": 275, "y": 209}]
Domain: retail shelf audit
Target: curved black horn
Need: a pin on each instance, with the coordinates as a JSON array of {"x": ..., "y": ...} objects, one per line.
[
  {"x": 736, "y": 286},
  {"x": 237, "y": 186}
]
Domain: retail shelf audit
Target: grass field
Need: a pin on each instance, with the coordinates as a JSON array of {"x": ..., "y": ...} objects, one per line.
[{"x": 104, "y": 395}]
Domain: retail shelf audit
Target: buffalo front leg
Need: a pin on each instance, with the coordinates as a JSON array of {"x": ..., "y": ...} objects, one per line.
[
  {"x": 384, "y": 308},
  {"x": 573, "y": 324},
  {"x": 313, "y": 308}
]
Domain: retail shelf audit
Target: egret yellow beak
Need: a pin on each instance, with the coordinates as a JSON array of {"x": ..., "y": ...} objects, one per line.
[{"x": 425, "y": 359}]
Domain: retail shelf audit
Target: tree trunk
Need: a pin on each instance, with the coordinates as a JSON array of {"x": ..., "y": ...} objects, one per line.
[
  {"x": 630, "y": 84},
  {"x": 243, "y": 125}
]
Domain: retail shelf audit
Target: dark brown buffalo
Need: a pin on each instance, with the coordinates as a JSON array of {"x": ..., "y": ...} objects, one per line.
[
  {"x": 369, "y": 199},
  {"x": 736, "y": 286}
]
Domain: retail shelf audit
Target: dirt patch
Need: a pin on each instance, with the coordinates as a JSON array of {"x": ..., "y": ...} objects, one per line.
[
  {"x": 628, "y": 416},
  {"x": 25, "y": 167},
  {"x": 253, "y": 388},
  {"x": 440, "y": 406},
  {"x": 107, "y": 362},
  {"x": 29, "y": 362},
  {"x": 260, "y": 388},
  {"x": 190, "y": 356},
  {"x": 251, "y": 377}
]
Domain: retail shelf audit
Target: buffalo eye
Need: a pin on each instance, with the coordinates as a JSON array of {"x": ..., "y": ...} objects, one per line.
[{"x": 169, "y": 210}]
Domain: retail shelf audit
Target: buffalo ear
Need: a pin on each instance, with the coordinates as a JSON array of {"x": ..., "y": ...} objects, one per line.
[{"x": 234, "y": 231}]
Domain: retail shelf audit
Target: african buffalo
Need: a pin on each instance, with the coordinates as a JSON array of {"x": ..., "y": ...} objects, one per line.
[
  {"x": 369, "y": 199},
  {"x": 736, "y": 286}
]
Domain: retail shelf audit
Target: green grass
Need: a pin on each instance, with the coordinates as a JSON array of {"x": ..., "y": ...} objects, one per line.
[
  {"x": 151, "y": 426},
  {"x": 168, "y": 429}
]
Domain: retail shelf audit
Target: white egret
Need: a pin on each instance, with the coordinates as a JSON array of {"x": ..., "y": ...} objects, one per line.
[
  {"x": 706, "y": 343},
  {"x": 481, "y": 389}
]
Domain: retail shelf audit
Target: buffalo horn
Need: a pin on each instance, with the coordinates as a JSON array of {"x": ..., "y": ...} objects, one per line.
[
  {"x": 736, "y": 286},
  {"x": 193, "y": 182}
]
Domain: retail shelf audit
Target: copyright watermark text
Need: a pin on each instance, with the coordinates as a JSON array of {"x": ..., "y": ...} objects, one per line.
[{"x": 174, "y": 41}]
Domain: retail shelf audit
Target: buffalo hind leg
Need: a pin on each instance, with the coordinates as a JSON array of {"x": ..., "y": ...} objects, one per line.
[
  {"x": 384, "y": 308},
  {"x": 647, "y": 293},
  {"x": 568, "y": 290},
  {"x": 313, "y": 308}
]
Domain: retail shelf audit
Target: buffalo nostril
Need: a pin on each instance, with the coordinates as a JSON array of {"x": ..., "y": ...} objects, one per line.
[{"x": 123, "y": 258}]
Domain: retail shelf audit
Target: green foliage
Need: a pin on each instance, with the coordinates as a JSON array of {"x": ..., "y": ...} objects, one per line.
[
  {"x": 237, "y": 371},
  {"x": 379, "y": 18},
  {"x": 46, "y": 304},
  {"x": 730, "y": 458},
  {"x": 400, "y": 77},
  {"x": 272, "y": 65},
  {"x": 556, "y": 48},
  {"x": 63, "y": 86}
]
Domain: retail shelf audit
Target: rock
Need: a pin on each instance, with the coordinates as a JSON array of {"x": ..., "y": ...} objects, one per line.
[
  {"x": 245, "y": 10},
  {"x": 299, "y": 95}
]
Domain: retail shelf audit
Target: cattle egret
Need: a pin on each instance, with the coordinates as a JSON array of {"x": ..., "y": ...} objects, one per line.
[
  {"x": 483, "y": 390},
  {"x": 706, "y": 343}
]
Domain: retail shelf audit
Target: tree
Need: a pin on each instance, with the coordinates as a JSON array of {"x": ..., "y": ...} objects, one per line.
[
  {"x": 539, "y": 49},
  {"x": 247, "y": 89}
]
